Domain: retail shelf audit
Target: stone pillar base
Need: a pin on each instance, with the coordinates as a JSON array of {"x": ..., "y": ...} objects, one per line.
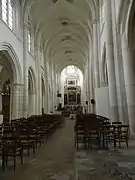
[
  {"x": 132, "y": 137},
  {"x": 1, "y": 119},
  {"x": 131, "y": 115},
  {"x": 114, "y": 117}
]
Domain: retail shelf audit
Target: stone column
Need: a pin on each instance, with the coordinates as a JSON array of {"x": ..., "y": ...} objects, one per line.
[
  {"x": 110, "y": 62},
  {"x": 1, "y": 116},
  {"x": 38, "y": 80},
  {"x": 76, "y": 97},
  {"x": 129, "y": 76},
  {"x": 25, "y": 70},
  {"x": 49, "y": 98},
  {"x": 46, "y": 101},
  {"x": 92, "y": 94},
  {"x": 53, "y": 87},
  {"x": 89, "y": 87},
  {"x": 1, "y": 99},
  {"x": 40, "y": 92},
  {"x": 67, "y": 97},
  {"x": 96, "y": 53},
  {"x": 0, "y": 8},
  {"x": 16, "y": 101},
  {"x": 34, "y": 102},
  {"x": 46, "y": 95}
]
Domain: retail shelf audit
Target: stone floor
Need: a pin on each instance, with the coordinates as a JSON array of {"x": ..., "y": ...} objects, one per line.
[
  {"x": 58, "y": 160},
  {"x": 113, "y": 164},
  {"x": 109, "y": 164},
  {"x": 53, "y": 161}
]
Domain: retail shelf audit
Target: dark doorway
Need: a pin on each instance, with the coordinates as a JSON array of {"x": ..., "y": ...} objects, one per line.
[
  {"x": 78, "y": 98},
  {"x": 6, "y": 101},
  {"x": 65, "y": 99},
  {"x": 72, "y": 98}
]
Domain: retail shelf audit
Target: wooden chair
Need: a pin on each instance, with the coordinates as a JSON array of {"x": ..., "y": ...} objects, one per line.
[
  {"x": 27, "y": 140},
  {"x": 122, "y": 135},
  {"x": 107, "y": 135},
  {"x": 116, "y": 123},
  {"x": 92, "y": 131},
  {"x": 80, "y": 136},
  {"x": 11, "y": 146}
]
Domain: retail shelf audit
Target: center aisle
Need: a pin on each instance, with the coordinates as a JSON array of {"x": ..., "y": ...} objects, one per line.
[{"x": 54, "y": 161}]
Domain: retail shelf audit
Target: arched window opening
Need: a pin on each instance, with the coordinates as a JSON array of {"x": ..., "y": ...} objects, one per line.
[{"x": 8, "y": 13}]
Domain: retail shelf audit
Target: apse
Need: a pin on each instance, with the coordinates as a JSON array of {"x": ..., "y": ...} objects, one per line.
[{"x": 71, "y": 83}]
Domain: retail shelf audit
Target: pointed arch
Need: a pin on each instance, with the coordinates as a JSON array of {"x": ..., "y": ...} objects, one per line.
[
  {"x": 125, "y": 15},
  {"x": 13, "y": 62}
]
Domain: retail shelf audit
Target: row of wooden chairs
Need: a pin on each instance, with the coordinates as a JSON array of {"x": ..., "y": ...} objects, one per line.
[
  {"x": 25, "y": 133},
  {"x": 91, "y": 129}
]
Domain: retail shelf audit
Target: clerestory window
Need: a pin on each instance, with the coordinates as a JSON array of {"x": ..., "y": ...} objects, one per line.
[
  {"x": 29, "y": 41},
  {"x": 7, "y": 13}
]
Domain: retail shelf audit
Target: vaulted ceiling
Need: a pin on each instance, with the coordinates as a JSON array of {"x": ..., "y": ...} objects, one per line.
[{"x": 65, "y": 28}]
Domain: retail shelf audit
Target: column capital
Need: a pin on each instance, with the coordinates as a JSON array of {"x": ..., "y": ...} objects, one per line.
[
  {"x": 94, "y": 21},
  {"x": 26, "y": 24}
]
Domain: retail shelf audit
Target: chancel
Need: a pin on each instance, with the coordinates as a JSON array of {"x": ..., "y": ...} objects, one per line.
[{"x": 67, "y": 89}]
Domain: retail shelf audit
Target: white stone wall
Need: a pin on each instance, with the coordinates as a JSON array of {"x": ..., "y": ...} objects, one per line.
[
  {"x": 8, "y": 37},
  {"x": 118, "y": 66}
]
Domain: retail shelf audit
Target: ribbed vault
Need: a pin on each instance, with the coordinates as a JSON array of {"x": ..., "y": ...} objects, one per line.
[{"x": 64, "y": 27}]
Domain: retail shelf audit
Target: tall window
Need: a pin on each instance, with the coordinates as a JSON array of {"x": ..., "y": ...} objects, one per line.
[
  {"x": 41, "y": 56},
  {"x": 29, "y": 41},
  {"x": 102, "y": 13},
  {"x": 7, "y": 12}
]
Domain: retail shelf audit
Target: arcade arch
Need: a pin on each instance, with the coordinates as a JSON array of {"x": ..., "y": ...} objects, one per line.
[{"x": 10, "y": 83}]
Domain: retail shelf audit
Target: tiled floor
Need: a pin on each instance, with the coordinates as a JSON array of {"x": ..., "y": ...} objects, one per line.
[{"x": 58, "y": 160}]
